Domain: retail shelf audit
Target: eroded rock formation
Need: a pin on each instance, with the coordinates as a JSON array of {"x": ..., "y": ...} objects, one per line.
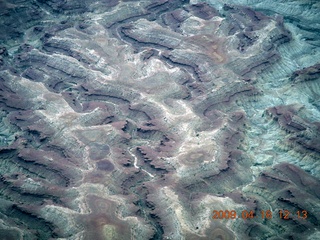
[{"x": 137, "y": 119}]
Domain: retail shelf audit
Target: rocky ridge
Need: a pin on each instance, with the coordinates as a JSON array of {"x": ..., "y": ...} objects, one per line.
[{"x": 137, "y": 119}]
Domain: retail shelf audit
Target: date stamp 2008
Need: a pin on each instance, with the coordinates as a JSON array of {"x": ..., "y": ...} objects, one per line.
[{"x": 263, "y": 214}]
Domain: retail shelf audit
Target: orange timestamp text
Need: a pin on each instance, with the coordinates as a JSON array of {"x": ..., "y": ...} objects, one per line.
[{"x": 262, "y": 214}]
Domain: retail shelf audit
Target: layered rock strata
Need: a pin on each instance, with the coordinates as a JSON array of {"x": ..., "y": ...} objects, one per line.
[{"x": 138, "y": 119}]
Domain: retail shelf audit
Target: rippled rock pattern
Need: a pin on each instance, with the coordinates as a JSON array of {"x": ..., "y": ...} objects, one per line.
[{"x": 137, "y": 119}]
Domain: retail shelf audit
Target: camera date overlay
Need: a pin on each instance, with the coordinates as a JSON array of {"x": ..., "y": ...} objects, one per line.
[{"x": 262, "y": 214}]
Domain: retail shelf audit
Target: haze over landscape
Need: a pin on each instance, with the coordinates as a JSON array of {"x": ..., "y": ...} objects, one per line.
[{"x": 139, "y": 119}]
